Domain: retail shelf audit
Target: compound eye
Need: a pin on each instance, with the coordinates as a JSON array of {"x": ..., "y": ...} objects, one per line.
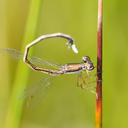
[
  {"x": 86, "y": 59},
  {"x": 91, "y": 67}
]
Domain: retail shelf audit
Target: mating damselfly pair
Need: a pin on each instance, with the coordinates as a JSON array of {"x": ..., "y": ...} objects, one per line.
[{"x": 81, "y": 68}]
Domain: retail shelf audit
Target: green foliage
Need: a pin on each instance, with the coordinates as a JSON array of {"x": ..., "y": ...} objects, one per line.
[{"x": 64, "y": 105}]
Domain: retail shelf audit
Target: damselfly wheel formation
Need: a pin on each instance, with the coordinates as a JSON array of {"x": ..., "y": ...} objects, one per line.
[{"x": 82, "y": 69}]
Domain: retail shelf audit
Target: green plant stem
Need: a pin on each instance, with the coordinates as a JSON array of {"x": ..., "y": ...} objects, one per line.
[
  {"x": 99, "y": 68},
  {"x": 15, "y": 106}
]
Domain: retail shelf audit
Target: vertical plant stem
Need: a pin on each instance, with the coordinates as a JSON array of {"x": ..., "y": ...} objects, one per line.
[
  {"x": 99, "y": 68},
  {"x": 15, "y": 106}
]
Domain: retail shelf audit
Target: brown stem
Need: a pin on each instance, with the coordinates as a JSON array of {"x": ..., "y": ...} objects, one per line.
[{"x": 99, "y": 68}]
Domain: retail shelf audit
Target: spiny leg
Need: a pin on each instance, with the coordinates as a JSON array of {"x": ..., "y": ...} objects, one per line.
[
  {"x": 84, "y": 82},
  {"x": 81, "y": 81}
]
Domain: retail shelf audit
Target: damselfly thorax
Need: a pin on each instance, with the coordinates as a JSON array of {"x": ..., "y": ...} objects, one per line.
[{"x": 78, "y": 67}]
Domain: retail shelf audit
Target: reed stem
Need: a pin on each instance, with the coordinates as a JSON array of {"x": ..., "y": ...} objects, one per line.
[{"x": 99, "y": 68}]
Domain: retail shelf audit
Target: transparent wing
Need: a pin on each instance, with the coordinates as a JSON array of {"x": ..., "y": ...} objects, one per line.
[
  {"x": 19, "y": 56},
  {"x": 87, "y": 81},
  {"x": 36, "y": 92},
  {"x": 12, "y": 52}
]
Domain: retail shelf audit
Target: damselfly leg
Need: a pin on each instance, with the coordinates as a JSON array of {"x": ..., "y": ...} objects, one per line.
[{"x": 87, "y": 81}]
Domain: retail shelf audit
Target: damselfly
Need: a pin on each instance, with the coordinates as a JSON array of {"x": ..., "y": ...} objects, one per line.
[{"x": 85, "y": 66}]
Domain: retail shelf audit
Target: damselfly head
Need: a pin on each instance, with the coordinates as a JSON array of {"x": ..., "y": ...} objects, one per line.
[{"x": 88, "y": 63}]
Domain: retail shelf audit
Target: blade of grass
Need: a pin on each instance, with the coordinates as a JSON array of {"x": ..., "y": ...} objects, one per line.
[
  {"x": 99, "y": 68},
  {"x": 15, "y": 106},
  {"x": 4, "y": 67}
]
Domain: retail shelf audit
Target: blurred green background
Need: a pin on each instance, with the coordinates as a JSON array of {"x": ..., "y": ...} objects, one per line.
[{"x": 63, "y": 105}]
